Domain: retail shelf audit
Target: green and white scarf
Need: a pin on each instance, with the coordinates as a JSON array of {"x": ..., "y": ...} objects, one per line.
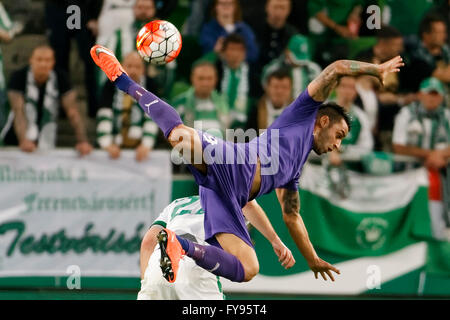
[
  {"x": 272, "y": 112},
  {"x": 428, "y": 129},
  {"x": 110, "y": 123},
  {"x": 43, "y": 132},
  {"x": 235, "y": 87},
  {"x": 206, "y": 114}
]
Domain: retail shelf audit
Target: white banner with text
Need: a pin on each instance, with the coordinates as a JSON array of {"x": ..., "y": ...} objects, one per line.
[{"x": 60, "y": 212}]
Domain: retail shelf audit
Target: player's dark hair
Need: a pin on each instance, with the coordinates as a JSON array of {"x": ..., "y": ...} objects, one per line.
[
  {"x": 427, "y": 22},
  {"x": 388, "y": 32},
  {"x": 233, "y": 38},
  {"x": 334, "y": 112},
  {"x": 279, "y": 74}
]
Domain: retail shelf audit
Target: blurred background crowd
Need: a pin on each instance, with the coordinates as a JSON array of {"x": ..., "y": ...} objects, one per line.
[{"x": 241, "y": 64}]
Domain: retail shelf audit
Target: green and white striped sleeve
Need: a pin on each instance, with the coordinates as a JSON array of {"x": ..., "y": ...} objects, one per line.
[
  {"x": 104, "y": 127},
  {"x": 400, "y": 132},
  {"x": 150, "y": 132}
]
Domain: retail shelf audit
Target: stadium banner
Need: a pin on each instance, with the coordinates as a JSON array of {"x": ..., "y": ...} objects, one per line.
[
  {"x": 60, "y": 212},
  {"x": 379, "y": 215},
  {"x": 376, "y": 234}
]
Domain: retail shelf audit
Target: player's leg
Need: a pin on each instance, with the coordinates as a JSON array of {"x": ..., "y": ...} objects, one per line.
[
  {"x": 182, "y": 137},
  {"x": 241, "y": 250},
  {"x": 239, "y": 266},
  {"x": 230, "y": 255}
]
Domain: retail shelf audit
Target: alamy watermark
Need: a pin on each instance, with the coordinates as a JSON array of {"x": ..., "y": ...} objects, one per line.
[
  {"x": 74, "y": 19},
  {"x": 74, "y": 279},
  {"x": 374, "y": 20},
  {"x": 374, "y": 277}
]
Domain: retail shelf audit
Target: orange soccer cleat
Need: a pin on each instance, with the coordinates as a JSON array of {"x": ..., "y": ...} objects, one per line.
[
  {"x": 171, "y": 253},
  {"x": 107, "y": 61}
]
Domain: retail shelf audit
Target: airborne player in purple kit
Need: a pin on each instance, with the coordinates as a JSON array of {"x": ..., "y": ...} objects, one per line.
[{"x": 227, "y": 186}]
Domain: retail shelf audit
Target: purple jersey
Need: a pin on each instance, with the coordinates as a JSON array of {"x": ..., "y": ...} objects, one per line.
[
  {"x": 285, "y": 146},
  {"x": 283, "y": 149}
]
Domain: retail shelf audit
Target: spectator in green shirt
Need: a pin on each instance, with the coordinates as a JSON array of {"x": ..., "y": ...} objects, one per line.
[
  {"x": 331, "y": 22},
  {"x": 201, "y": 106},
  {"x": 297, "y": 59}
]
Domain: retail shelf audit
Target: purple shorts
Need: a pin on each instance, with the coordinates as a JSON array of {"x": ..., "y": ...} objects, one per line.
[{"x": 225, "y": 189}]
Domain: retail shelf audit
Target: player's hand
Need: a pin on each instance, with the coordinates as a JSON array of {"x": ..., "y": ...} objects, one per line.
[
  {"x": 324, "y": 268},
  {"x": 390, "y": 66},
  {"x": 284, "y": 255},
  {"x": 113, "y": 151},
  {"x": 142, "y": 153},
  {"x": 83, "y": 148}
]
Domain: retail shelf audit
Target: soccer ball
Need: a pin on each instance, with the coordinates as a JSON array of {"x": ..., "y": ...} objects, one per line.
[{"x": 158, "y": 42}]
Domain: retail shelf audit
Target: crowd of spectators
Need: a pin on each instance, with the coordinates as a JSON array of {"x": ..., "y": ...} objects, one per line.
[{"x": 253, "y": 59}]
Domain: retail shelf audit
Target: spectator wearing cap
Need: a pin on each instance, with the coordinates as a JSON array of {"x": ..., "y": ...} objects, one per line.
[
  {"x": 297, "y": 59},
  {"x": 422, "y": 130}
]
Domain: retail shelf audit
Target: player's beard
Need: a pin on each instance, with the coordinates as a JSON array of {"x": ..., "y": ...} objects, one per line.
[{"x": 319, "y": 142}]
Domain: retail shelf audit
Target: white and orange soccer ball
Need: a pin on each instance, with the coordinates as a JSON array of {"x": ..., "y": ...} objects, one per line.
[{"x": 158, "y": 42}]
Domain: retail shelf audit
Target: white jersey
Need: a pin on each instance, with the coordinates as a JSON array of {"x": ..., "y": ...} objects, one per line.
[
  {"x": 414, "y": 126},
  {"x": 185, "y": 217}
]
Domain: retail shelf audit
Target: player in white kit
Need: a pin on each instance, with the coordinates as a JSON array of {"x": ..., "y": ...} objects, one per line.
[{"x": 185, "y": 217}]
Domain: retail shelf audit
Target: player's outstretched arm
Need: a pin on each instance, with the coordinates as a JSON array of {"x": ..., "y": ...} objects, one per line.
[
  {"x": 320, "y": 88},
  {"x": 258, "y": 218},
  {"x": 290, "y": 207}
]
